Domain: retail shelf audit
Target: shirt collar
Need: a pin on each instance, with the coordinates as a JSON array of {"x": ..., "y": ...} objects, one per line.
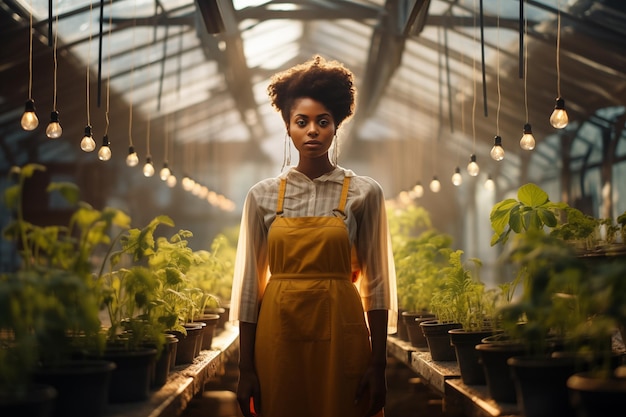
[{"x": 336, "y": 175}]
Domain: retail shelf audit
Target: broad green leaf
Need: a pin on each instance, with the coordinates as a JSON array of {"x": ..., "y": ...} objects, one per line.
[
  {"x": 12, "y": 197},
  {"x": 532, "y": 195},
  {"x": 547, "y": 217},
  {"x": 69, "y": 191},
  {"x": 28, "y": 170},
  {"x": 515, "y": 221}
]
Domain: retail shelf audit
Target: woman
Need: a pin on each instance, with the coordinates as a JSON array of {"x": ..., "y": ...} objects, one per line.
[{"x": 313, "y": 255}]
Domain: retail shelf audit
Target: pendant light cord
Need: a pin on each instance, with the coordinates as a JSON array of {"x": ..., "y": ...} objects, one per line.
[
  {"x": 108, "y": 91},
  {"x": 558, "y": 49},
  {"x": 88, "y": 63},
  {"x": 30, "y": 54},
  {"x": 55, "y": 61},
  {"x": 498, "y": 70},
  {"x": 132, "y": 79},
  {"x": 167, "y": 138},
  {"x": 526, "y": 69},
  {"x": 474, "y": 86}
]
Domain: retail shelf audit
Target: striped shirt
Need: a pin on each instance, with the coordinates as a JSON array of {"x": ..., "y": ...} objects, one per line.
[{"x": 366, "y": 221}]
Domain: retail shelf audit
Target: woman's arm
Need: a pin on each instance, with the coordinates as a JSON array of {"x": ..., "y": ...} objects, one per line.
[{"x": 375, "y": 380}]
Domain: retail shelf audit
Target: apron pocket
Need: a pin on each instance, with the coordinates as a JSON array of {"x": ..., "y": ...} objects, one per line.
[
  {"x": 356, "y": 350},
  {"x": 305, "y": 315}
]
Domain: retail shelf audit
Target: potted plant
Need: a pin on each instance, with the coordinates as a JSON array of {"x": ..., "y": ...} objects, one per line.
[
  {"x": 49, "y": 308},
  {"x": 214, "y": 274},
  {"x": 466, "y": 300},
  {"x": 549, "y": 316},
  {"x": 419, "y": 252},
  {"x": 602, "y": 385}
]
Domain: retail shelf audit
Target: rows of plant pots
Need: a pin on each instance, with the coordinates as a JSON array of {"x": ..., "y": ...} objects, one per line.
[
  {"x": 96, "y": 303},
  {"x": 559, "y": 322}
]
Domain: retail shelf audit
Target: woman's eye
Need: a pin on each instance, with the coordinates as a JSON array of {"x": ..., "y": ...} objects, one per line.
[
  {"x": 301, "y": 123},
  {"x": 324, "y": 123}
]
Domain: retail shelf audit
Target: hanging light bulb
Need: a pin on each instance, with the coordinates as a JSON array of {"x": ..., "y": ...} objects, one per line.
[
  {"x": 497, "y": 152},
  {"x": 457, "y": 179},
  {"x": 171, "y": 180},
  {"x": 104, "y": 153},
  {"x": 132, "y": 159},
  {"x": 148, "y": 168},
  {"x": 87, "y": 143},
  {"x": 472, "y": 168},
  {"x": 165, "y": 172},
  {"x": 527, "y": 142},
  {"x": 54, "y": 130},
  {"x": 489, "y": 183},
  {"x": 435, "y": 185},
  {"x": 418, "y": 190},
  {"x": 188, "y": 183},
  {"x": 558, "y": 118},
  {"x": 29, "y": 119}
]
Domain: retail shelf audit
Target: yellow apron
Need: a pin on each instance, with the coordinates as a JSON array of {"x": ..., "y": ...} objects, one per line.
[{"x": 312, "y": 342}]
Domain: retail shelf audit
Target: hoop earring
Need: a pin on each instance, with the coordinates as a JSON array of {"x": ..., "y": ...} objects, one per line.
[
  {"x": 286, "y": 152},
  {"x": 335, "y": 155}
]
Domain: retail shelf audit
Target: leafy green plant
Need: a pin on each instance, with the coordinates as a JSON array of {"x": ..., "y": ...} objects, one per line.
[
  {"x": 578, "y": 227},
  {"x": 49, "y": 306},
  {"x": 214, "y": 274},
  {"x": 621, "y": 221},
  {"x": 532, "y": 210},
  {"x": 418, "y": 268},
  {"x": 463, "y": 298},
  {"x": 419, "y": 251},
  {"x": 550, "y": 306}
]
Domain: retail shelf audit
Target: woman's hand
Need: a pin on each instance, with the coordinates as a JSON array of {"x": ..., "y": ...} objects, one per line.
[
  {"x": 249, "y": 393},
  {"x": 375, "y": 380}
]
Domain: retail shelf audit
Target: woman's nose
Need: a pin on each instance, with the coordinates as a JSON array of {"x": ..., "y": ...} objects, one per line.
[{"x": 312, "y": 130}]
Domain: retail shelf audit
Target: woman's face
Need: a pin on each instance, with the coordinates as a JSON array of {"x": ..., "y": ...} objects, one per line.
[{"x": 311, "y": 127}]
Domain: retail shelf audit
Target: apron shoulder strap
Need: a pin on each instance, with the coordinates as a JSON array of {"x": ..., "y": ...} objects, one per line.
[
  {"x": 281, "y": 196},
  {"x": 344, "y": 196}
]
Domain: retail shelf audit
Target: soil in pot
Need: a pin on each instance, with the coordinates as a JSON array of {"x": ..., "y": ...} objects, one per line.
[
  {"x": 38, "y": 401},
  {"x": 493, "y": 355},
  {"x": 82, "y": 386},
  {"x": 464, "y": 343},
  {"x": 541, "y": 385},
  {"x": 438, "y": 339}
]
